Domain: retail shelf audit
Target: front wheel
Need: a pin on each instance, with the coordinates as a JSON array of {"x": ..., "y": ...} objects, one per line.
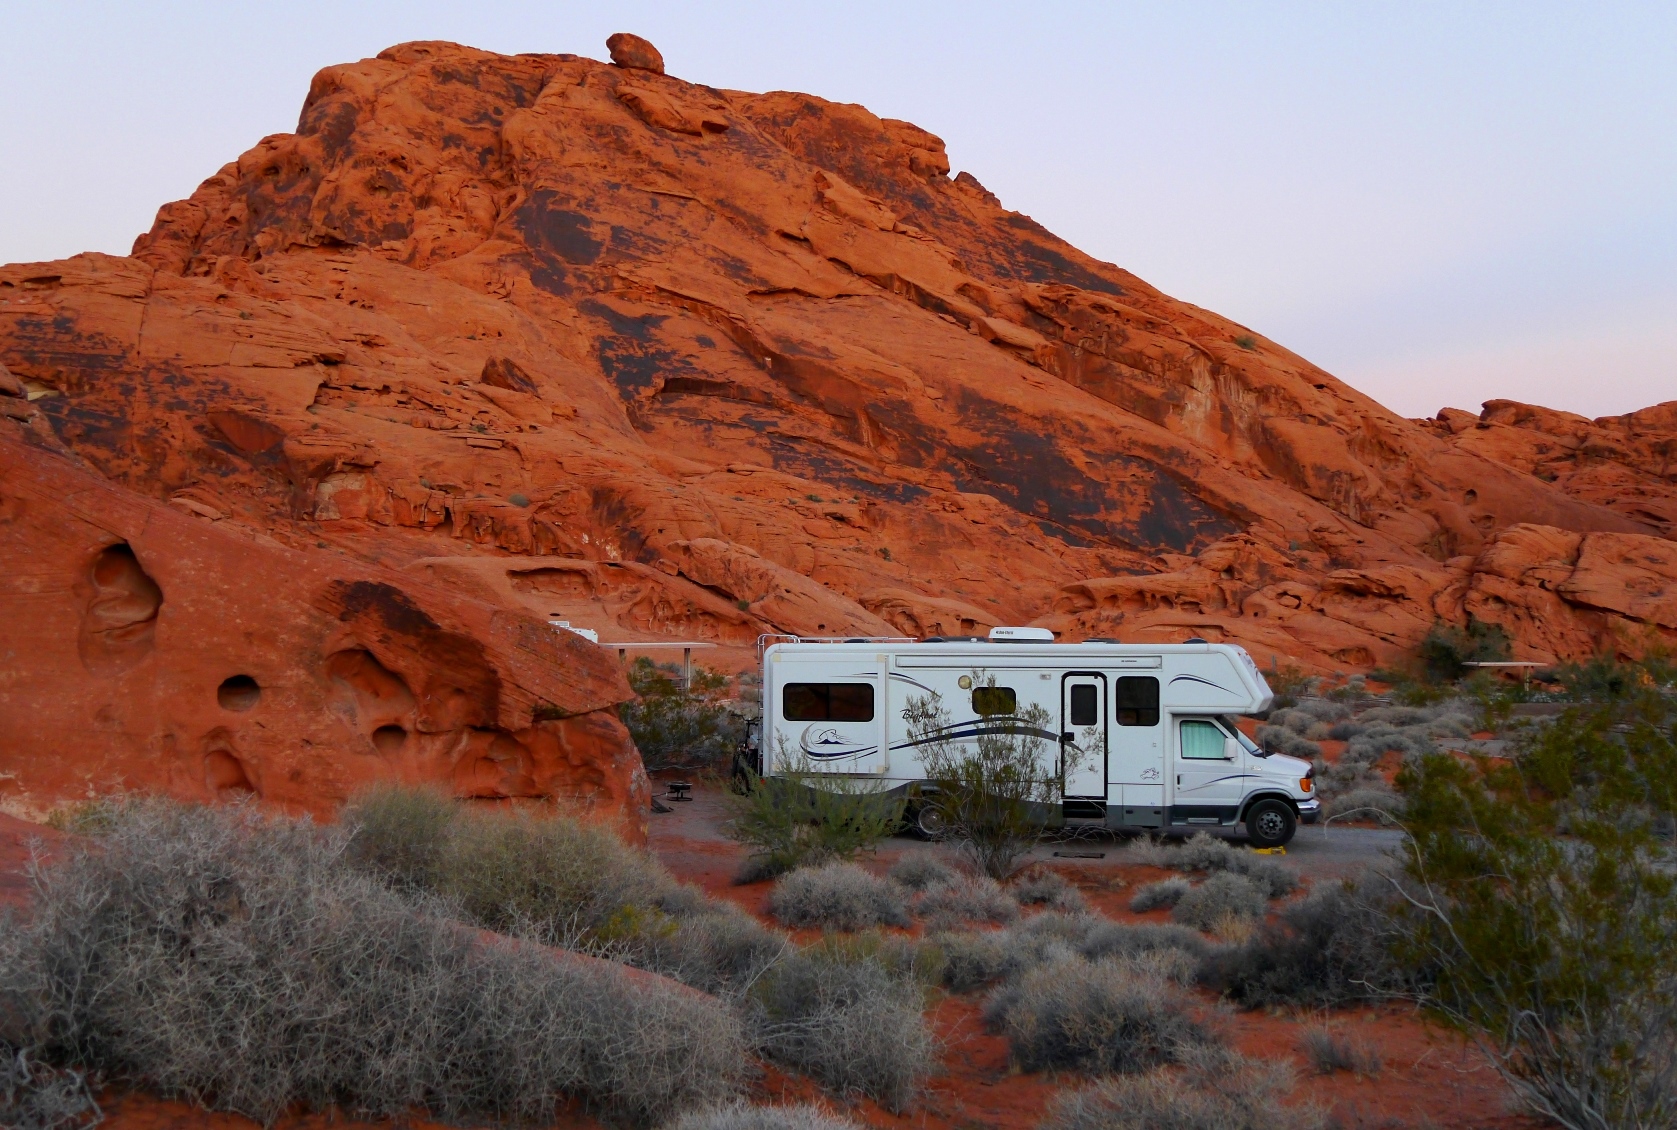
[{"x": 1270, "y": 823}]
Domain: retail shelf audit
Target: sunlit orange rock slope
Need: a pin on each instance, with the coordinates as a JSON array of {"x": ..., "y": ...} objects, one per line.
[{"x": 538, "y": 334}]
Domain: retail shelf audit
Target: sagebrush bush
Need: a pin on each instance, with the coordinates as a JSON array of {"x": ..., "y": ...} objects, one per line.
[
  {"x": 849, "y": 1019},
  {"x": 35, "y": 1096},
  {"x": 967, "y": 961},
  {"x": 1096, "y": 1016},
  {"x": 1330, "y": 1049},
  {"x": 741, "y": 1115},
  {"x": 1164, "y": 893},
  {"x": 838, "y": 896},
  {"x": 1283, "y": 740},
  {"x": 1368, "y": 802},
  {"x": 1325, "y": 710},
  {"x": 1332, "y": 948},
  {"x": 971, "y": 960},
  {"x": 1044, "y": 887},
  {"x": 1205, "y": 852},
  {"x": 1219, "y": 1091},
  {"x": 970, "y": 898},
  {"x": 1223, "y": 896},
  {"x": 919, "y": 871},
  {"x": 556, "y": 881},
  {"x": 229, "y": 959}
]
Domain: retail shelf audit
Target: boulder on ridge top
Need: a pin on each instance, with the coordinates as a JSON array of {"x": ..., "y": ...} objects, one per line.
[{"x": 629, "y": 50}]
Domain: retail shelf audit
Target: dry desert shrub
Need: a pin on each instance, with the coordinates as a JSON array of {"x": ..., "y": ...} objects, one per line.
[
  {"x": 1115, "y": 1015},
  {"x": 1223, "y": 897},
  {"x": 1329, "y": 1050},
  {"x": 1164, "y": 893},
  {"x": 1330, "y": 949},
  {"x": 235, "y": 961},
  {"x": 1043, "y": 887},
  {"x": 970, "y": 898},
  {"x": 918, "y": 872},
  {"x": 849, "y": 1018},
  {"x": 972, "y": 960},
  {"x": 1219, "y": 1091},
  {"x": 34, "y": 1096},
  {"x": 557, "y": 881},
  {"x": 838, "y": 896},
  {"x": 741, "y": 1115},
  {"x": 1205, "y": 852}
]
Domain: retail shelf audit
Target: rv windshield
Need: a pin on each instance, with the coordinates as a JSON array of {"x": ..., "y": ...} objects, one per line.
[{"x": 1246, "y": 743}]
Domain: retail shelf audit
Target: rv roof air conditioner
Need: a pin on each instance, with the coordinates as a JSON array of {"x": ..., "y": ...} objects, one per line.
[{"x": 1021, "y": 635}]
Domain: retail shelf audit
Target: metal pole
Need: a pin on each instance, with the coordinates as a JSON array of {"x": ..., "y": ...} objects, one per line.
[
  {"x": 686, "y": 669},
  {"x": 622, "y": 654}
]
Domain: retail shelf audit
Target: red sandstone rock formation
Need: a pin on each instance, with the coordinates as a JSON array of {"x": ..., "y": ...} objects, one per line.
[
  {"x": 149, "y": 648},
  {"x": 676, "y": 362}
]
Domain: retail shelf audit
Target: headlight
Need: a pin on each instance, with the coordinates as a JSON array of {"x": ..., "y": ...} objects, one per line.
[{"x": 1308, "y": 784}]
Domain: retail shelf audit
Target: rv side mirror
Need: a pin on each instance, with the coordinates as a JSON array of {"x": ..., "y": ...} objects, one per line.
[
  {"x": 1067, "y": 737},
  {"x": 1231, "y": 748}
]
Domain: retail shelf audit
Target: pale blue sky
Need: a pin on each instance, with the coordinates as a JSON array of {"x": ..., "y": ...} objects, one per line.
[{"x": 1440, "y": 203}]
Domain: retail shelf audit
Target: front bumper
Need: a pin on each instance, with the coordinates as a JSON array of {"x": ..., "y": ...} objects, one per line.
[{"x": 1310, "y": 811}]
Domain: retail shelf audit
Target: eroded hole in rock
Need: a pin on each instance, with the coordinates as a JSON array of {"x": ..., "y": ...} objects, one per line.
[
  {"x": 120, "y": 618},
  {"x": 238, "y": 693},
  {"x": 225, "y": 774},
  {"x": 390, "y": 739}
]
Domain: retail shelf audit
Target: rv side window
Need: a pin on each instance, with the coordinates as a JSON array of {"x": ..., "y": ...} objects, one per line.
[
  {"x": 1136, "y": 698},
  {"x": 1201, "y": 741},
  {"x": 994, "y": 700},
  {"x": 827, "y": 702}
]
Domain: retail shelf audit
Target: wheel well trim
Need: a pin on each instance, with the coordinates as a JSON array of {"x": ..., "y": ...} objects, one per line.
[{"x": 1246, "y": 806}]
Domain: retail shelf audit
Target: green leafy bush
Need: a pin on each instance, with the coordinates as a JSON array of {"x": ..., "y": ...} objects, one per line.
[
  {"x": 680, "y": 728},
  {"x": 1446, "y": 650},
  {"x": 801, "y": 816},
  {"x": 996, "y": 792},
  {"x": 1547, "y": 901}
]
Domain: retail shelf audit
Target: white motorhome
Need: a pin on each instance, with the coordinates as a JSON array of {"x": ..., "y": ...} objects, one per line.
[{"x": 1144, "y": 736}]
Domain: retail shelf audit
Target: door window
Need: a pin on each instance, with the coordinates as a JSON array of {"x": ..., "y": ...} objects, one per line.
[
  {"x": 1084, "y": 705},
  {"x": 1136, "y": 700},
  {"x": 1201, "y": 741}
]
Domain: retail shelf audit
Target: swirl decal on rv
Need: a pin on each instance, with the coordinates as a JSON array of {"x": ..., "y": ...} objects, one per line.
[
  {"x": 1197, "y": 679},
  {"x": 825, "y": 743}
]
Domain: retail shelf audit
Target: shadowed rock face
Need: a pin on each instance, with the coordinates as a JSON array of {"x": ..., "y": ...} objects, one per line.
[{"x": 541, "y": 335}]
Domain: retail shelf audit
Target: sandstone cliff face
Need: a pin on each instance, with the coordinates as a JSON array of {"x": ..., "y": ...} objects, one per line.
[
  {"x": 151, "y": 649},
  {"x": 674, "y": 362}
]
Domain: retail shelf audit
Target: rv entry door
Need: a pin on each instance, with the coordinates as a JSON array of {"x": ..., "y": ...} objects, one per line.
[{"x": 1083, "y": 736}]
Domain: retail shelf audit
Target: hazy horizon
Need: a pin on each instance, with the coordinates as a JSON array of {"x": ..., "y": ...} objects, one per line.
[{"x": 1438, "y": 204}]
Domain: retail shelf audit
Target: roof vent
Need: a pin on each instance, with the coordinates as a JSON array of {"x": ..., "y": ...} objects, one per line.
[{"x": 1021, "y": 635}]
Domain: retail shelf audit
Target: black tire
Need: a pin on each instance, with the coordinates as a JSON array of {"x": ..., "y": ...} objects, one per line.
[
  {"x": 928, "y": 822},
  {"x": 1270, "y": 823}
]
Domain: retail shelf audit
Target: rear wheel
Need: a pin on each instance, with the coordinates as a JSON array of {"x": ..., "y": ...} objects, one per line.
[
  {"x": 930, "y": 823},
  {"x": 1270, "y": 823}
]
